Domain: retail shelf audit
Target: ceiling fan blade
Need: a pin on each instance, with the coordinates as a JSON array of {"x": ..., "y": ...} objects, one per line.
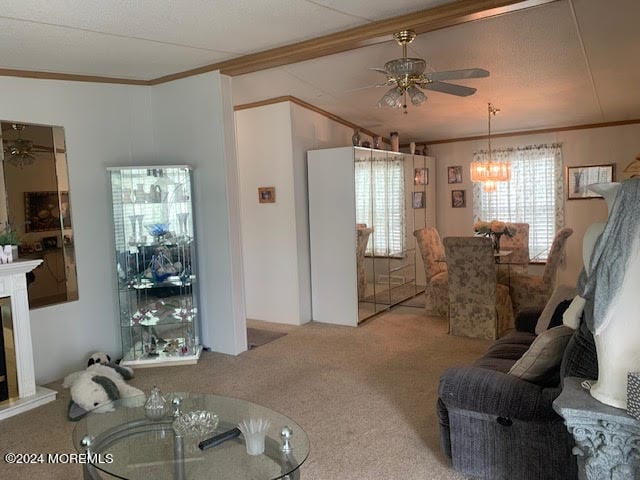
[
  {"x": 450, "y": 88},
  {"x": 458, "y": 74}
]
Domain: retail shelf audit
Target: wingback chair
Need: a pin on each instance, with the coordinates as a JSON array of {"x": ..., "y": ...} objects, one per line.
[
  {"x": 362, "y": 235},
  {"x": 533, "y": 291},
  {"x": 479, "y": 306},
  {"x": 437, "y": 290},
  {"x": 519, "y": 246}
]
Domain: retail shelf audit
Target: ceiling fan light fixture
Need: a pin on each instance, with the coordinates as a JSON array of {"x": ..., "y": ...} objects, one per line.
[
  {"x": 401, "y": 67},
  {"x": 407, "y": 74},
  {"x": 416, "y": 95},
  {"x": 18, "y": 153},
  {"x": 393, "y": 98}
]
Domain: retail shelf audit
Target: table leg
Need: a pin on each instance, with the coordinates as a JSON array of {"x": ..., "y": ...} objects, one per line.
[{"x": 178, "y": 457}]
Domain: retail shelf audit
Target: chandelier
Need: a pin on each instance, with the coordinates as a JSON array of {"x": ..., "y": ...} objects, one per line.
[
  {"x": 19, "y": 152},
  {"x": 489, "y": 172}
]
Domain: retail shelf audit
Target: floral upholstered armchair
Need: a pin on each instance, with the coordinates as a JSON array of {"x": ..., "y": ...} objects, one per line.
[
  {"x": 479, "y": 306},
  {"x": 518, "y": 244},
  {"x": 532, "y": 291},
  {"x": 437, "y": 288}
]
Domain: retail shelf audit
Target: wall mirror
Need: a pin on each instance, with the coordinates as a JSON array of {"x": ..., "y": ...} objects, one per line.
[{"x": 34, "y": 200}]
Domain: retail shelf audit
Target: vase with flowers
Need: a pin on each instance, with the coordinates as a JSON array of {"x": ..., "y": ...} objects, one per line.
[
  {"x": 8, "y": 244},
  {"x": 494, "y": 230}
]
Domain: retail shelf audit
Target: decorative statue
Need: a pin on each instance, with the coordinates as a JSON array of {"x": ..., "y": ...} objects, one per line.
[{"x": 608, "y": 288}]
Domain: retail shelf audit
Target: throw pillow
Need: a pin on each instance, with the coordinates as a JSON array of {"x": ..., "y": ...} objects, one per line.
[
  {"x": 544, "y": 354},
  {"x": 561, "y": 293},
  {"x": 556, "y": 319}
]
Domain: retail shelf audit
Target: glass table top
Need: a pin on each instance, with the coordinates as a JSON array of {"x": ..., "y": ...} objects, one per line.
[{"x": 126, "y": 444}]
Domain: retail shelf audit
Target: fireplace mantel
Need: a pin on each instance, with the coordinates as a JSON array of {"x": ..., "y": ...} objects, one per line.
[{"x": 13, "y": 284}]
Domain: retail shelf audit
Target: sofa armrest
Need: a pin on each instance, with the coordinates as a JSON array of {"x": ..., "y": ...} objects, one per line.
[
  {"x": 527, "y": 320},
  {"x": 496, "y": 393}
]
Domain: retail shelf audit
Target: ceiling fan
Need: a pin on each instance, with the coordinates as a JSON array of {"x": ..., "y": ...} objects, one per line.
[
  {"x": 406, "y": 76},
  {"x": 20, "y": 151}
]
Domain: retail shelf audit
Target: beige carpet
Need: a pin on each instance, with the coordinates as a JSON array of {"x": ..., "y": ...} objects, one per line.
[{"x": 365, "y": 396}]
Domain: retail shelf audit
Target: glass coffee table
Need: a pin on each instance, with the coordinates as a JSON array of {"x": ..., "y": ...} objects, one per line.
[{"x": 125, "y": 443}]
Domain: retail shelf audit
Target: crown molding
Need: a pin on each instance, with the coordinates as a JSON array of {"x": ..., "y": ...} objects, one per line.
[
  {"x": 71, "y": 77},
  {"x": 529, "y": 132},
  {"x": 313, "y": 108}
]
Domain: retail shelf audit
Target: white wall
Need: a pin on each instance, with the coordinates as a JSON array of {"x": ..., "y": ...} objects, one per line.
[
  {"x": 268, "y": 229},
  {"x": 104, "y": 125},
  {"x": 108, "y": 125},
  {"x": 191, "y": 123},
  {"x": 618, "y": 145},
  {"x": 272, "y": 145}
]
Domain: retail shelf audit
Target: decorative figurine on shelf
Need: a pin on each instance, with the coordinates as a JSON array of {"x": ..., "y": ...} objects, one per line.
[
  {"x": 183, "y": 223},
  {"x": 355, "y": 139},
  {"x": 395, "y": 142},
  {"x": 156, "y": 194},
  {"x": 156, "y": 406}
]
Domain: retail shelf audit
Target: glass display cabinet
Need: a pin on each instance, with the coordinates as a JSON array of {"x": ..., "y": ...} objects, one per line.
[{"x": 155, "y": 258}]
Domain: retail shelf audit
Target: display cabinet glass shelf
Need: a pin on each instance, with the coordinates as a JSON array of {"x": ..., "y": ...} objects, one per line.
[{"x": 155, "y": 259}]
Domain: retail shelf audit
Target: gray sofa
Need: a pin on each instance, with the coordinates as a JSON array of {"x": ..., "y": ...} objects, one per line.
[{"x": 495, "y": 426}]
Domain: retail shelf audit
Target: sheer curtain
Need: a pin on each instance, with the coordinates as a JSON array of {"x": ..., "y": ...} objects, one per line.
[
  {"x": 380, "y": 203},
  {"x": 535, "y": 194}
]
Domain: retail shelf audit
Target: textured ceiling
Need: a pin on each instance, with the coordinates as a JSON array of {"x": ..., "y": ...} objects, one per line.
[
  {"x": 565, "y": 63},
  {"x": 548, "y": 69},
  {"x": 146, "y": 39}
]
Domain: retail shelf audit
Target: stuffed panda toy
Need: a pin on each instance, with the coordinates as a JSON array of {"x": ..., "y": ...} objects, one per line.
[
  {"x": 93, "y": 389},
  {"x": 99, "y": 357}
]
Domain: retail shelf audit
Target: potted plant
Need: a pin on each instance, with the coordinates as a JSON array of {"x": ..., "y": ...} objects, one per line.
[{"x": 8, "y": 244}]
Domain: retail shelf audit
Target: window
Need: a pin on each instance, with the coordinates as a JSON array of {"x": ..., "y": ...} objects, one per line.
[
  {"x": 534, "y": 195},
  {"x": 380, "y": 203}
]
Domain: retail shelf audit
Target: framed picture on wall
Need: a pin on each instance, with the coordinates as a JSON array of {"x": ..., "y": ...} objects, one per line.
[
  {"x": 454, "y": 174},
  {"x": 418, "y": 200},
  {"x": 458, "y": 198},
  {"x": 421, "y": 176},
  {"x": 267, "y": 194},
  {"x": 579, "y": 179},
  {"x": 45, "y": 210}
]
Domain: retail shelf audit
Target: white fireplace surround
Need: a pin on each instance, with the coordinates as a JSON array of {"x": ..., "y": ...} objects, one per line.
[{"x": 13, "y": 284}]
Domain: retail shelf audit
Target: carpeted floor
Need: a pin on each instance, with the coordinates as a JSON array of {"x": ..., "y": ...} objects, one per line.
[
  {"x": 365, "y": 396},
  {"x": 257, "y": 337}
]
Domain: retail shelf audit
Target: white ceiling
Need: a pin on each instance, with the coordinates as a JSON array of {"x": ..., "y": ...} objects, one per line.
[{"x": 548, "y": 68}]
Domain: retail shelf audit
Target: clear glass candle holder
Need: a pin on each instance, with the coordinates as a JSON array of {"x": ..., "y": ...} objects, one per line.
[{"x": 254, "y": 431}]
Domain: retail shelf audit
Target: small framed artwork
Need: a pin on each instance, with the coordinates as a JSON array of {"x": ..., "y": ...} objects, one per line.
[
  {"x": 458, "y": 199},
  {"x": 454, "y": 174},
  {"x": 418, "y": 200},
  {"x": 421, "y": 176},
  {"x": 579, "y": 179},
  {"x": 267, "y": 194}
]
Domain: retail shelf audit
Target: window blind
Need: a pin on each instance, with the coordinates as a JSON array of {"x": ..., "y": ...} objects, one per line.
[{"x": 380, "y": 203}]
